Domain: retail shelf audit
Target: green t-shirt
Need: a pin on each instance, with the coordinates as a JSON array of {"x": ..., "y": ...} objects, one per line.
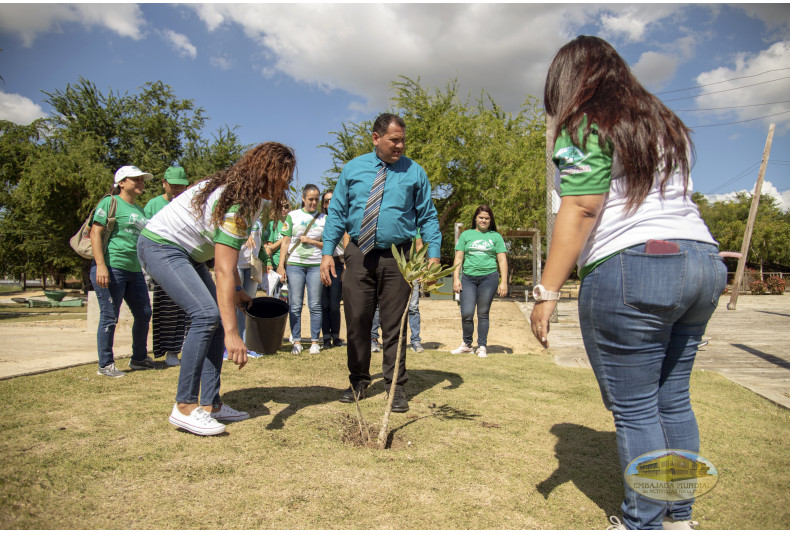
[
  {"x": 582, "y": 171},
  {"x": 129, "y": 221},
  {"x": 480, "y": 250},
  {"x": 155, "y": 205},
  {"x": 272, "y": 234}
]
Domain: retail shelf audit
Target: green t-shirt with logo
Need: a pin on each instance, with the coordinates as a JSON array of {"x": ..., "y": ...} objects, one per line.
[
  {"x": 480, "y": 250},
  {"x": 130, "y": 220}
]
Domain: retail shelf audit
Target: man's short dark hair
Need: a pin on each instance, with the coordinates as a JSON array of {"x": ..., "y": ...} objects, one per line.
[{"x": 383, "y": 121}]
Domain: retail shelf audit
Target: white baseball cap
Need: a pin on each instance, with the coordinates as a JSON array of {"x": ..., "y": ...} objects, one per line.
[{"x": 130, "y": 171}]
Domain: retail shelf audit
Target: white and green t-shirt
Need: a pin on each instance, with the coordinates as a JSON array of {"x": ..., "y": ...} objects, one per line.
[
  {"x": 178, "y": 223},
  {"x": 480, "y": 250},
  {"x": 295, "y": 224},
  {"x": 130, "y": 220},
  {"x": 592, "y": 170}
]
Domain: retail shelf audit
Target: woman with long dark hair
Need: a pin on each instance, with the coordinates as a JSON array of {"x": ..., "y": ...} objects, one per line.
[
  {"x": 650, "y": 269},
  {"x": 478, "y": 253},
  {"x": 210, "y": 220}
]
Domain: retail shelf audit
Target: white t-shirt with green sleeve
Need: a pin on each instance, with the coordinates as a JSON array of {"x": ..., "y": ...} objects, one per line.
[
  {"x": 295, "y": 224},
  {"x": 178, "y": 223},
  {"x": 593, "y": 170},
  {"x": 130, "y": 220},
  {"x": 480, "y": 249}
]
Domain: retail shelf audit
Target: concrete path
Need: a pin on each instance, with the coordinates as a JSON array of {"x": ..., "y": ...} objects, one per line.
[{"x": 750, "y": 346}]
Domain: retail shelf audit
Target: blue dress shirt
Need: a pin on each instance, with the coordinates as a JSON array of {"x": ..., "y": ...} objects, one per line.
[{"x": 405, "y": 207}]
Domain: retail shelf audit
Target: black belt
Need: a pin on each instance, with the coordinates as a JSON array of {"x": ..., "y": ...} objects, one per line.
[{"x": 406, "y": 243}]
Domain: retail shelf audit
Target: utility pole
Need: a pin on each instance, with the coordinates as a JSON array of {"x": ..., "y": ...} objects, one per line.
[{"x": 747, "y": 235}]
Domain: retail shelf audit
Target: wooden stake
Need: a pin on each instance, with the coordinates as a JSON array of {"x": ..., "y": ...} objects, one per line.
[{"x": 747, "y": 235}]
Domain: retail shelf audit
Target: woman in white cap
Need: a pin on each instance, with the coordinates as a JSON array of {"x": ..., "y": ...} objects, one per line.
[
  {"x": 116, "y": 274},
  {"x": 210, "y": 220}
]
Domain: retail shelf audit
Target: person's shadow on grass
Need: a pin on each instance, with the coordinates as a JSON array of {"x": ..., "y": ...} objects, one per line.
[
  {"x": 254, "y": 399},
  {"x": 588, "y": 458}
]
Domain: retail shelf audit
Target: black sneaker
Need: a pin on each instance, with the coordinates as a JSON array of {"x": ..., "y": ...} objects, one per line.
[
  {"x": 348, "y": 395},
  {"x": 337, "y": 341},
  {"x": 399, "y": 403},
  {"x": 145, "y": 364},
  {"x": 327, "y": 344}
]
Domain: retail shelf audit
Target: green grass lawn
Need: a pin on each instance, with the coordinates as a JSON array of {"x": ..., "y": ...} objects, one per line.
[{"x": 508, "y": 442}]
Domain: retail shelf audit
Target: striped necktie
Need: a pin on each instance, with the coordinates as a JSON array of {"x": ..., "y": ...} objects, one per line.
[{"x": 367, "y": 230}]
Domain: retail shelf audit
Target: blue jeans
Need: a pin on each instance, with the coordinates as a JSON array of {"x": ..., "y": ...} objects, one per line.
[
  {"x": 330, "y": 304},
  {"x": 414, "y": 318},
  {"x": 642, "y": 317},
  {"x": 250, "y": 286},
  {"x": 131, "y": 288},
  {"x": 477, "y": 291},
  {"x": 189, "y": 284},
  {"x": 299, "y": 277}
]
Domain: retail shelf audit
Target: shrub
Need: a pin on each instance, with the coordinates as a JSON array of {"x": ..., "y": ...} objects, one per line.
[
  {"x": 758, "y": 287},
  {"x": 775, "y": 285}
]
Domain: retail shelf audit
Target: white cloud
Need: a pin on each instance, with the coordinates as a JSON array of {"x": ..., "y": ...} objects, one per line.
[
  {"x": 782, "y": 197},
  {"x": 27, "y": 21},
  {"x": 346, "y": 47},
  {"x": 632, "y": 21},
  {"x": 762, "y": 89},
  {"x": 19, "y": 109},
  {"x": 181, "y": 43},
  {"x": 221, "y": 62},
  {"x": 776, "y": 17},
  {"x": 654, "y": 69}
]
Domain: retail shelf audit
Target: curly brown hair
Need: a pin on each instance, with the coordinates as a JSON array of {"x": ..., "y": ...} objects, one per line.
[{"x": 263, "y": 173}]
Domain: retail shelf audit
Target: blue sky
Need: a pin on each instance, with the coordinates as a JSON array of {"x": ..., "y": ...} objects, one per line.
[{"x": 295, "y": 72}]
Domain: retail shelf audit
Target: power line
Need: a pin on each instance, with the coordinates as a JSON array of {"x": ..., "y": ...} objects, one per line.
[
  {"x": 724, "y": 81},
  {"x": 725, "y": 90},
  {"x": 738, "y": 121},
  {"x": 729, "y": 107},
  {"x": 738, "y": 177}
]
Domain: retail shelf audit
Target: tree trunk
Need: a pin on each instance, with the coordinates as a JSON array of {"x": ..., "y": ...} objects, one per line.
[{"x": 385, "y": 422}]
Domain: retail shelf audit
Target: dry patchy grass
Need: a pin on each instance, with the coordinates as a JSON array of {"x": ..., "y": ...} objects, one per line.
[{"x": 510, "y": 442}]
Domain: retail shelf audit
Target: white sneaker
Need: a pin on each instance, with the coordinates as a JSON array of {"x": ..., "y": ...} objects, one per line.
[
  {"x": 315, "y": 348},
  {"x": 464, "y": 348},
  {"x": 171, "y": 359},
  {"x": 297, "y": 349},
  {"x": 481, "y": 351},
  {"x": 229, "y": 414},
  {"x": 615, "y": 523},
  {"x": 671, "y": 523},
  {"x": 198, "y": 422}
]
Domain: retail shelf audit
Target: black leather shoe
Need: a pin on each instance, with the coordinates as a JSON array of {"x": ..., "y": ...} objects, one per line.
[
  {"x": 399, "y": 403},
  {"x": 348, "y": 395}
]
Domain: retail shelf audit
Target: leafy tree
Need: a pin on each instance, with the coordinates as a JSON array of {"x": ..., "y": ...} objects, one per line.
[
  {"x": 770, "y": 241},
  {"x": 472, "y": 154},
  {"x": 52, "y": 182}
]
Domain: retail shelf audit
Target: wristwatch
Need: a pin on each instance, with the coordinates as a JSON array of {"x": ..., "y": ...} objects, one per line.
[{"x": 540, "y": 294}]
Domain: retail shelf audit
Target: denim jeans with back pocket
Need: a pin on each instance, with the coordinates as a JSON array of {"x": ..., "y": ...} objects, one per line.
[{"x": 642, "y": 317}]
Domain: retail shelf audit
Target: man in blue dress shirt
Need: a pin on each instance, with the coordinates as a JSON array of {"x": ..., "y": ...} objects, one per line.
[{"x": 374, "y": 278}]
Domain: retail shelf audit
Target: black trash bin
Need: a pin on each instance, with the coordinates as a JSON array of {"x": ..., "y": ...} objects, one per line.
[{"x": 265, "y": 322}]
